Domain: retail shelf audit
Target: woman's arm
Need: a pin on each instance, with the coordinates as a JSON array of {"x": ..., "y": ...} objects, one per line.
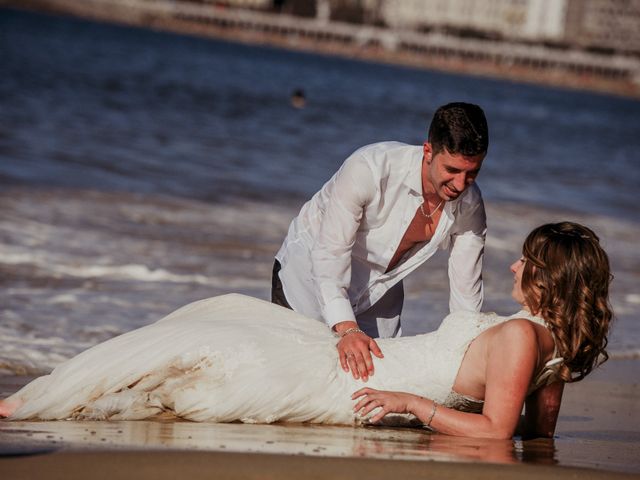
[
  {"x": 511, "y": 361},
  {"x": 541, "y": 411}
]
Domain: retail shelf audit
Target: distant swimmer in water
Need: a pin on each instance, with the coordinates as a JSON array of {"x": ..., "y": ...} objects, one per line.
[{"x": 298, "y": 99}]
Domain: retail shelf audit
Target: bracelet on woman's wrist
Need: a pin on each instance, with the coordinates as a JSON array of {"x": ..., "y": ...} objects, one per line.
[
  {"x": 349, "y": 331},
  {"x": 433, "y": 414}
]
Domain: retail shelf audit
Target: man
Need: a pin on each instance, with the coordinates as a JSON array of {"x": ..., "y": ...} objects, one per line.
[{"x": 384, "y": 213}]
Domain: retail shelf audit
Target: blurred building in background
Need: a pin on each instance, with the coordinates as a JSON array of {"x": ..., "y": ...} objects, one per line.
[
  {"x": 599, "y": 25},
  {"x": 595, "y": 24},
  {"x": 528, "y": 19},
  {"x": 606, "y": 25},
  {"x": 593, "y": 44}
]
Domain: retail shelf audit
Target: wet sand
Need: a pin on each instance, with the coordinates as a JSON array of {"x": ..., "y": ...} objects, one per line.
[
  {"x": 598, "y": 434},
  {"x": 195, "y": 465}
]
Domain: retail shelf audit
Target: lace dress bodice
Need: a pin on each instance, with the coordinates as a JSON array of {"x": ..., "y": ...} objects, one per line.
[{"x": 548, "y": 374}]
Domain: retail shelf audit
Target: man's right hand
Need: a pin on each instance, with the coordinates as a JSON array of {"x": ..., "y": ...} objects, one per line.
[{"x": 355, "y": 349}]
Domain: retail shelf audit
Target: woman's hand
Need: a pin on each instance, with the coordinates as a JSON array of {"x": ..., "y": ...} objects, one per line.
[{"x": 388, "y": 402}]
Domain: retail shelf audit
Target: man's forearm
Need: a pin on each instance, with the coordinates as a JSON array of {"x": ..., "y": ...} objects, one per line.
[{"x": 465, "y": 273}]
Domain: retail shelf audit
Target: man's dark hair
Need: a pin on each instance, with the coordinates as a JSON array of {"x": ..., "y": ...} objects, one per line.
[{"x": 460, "y": 128}]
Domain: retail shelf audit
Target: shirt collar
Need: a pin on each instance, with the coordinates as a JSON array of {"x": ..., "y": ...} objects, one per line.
[{"x": 413, "y": 180}]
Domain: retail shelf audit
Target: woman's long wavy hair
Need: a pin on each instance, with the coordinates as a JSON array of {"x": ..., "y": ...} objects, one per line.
[{"x": 565, "y": 280}]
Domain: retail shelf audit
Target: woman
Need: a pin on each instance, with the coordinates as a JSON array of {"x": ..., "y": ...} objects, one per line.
[{"x": 236, "y": 358}]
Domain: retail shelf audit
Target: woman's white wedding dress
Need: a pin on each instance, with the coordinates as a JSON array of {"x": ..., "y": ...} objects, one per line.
[{"x": 234, "y": 357}]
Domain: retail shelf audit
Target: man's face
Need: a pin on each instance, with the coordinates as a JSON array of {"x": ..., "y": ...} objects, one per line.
[{"x": 448, "y": 175}]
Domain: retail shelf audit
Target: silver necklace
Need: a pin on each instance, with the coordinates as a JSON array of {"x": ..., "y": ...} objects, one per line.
[{"x": 429, "y": 215}]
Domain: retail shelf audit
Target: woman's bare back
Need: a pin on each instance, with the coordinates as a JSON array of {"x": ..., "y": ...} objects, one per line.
[{"x": 471, "y": 379}]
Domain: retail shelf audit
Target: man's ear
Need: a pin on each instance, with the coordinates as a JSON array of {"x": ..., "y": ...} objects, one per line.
[{"x": 428, "y": 151}]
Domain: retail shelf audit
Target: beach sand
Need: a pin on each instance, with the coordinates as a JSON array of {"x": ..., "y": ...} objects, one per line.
[{"x": 598, "y": 436}]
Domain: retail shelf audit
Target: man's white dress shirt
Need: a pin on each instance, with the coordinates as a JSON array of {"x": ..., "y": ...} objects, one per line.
[{"x": 335, "y": 255}]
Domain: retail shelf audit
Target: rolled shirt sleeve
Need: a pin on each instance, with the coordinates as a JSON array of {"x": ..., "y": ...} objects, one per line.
[
  {"x": 466, "y": 254},
  {"x": 347, "y": 195}
]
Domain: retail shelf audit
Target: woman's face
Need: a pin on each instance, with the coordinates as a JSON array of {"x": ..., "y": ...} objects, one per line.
[{"x": 516, "y": 268}]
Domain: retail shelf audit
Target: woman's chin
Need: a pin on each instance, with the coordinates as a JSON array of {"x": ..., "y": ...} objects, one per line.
[{"x": 518, "y": 299}]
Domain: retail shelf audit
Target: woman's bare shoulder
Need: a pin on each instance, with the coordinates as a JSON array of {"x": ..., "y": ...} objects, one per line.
[{"x": 515, "y": 336}]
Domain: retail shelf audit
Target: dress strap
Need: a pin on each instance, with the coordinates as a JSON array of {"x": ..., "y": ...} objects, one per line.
[
  {"x": 556, "y": 361},
  {"x": 549, "y": 372},
  {"x": 529, "y": 316},
  {"x": 547, "y": 375}
]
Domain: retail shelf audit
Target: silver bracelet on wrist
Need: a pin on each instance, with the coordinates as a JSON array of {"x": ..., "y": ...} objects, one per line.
[
  {"x": 433, "y": 414},
  {"x": 350, "y": 330}
]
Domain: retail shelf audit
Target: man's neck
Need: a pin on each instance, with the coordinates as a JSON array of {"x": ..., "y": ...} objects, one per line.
[{"x": 428, "y": 190}]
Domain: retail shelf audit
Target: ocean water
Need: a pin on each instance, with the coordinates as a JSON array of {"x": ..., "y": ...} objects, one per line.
[{"x": 141, "y": 170}]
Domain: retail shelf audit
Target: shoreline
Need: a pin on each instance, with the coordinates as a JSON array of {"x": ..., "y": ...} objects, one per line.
[
  {"x": 597, "y": 437},
  {"x": 510, "y": 62},
  {"x": 195, "y": 465}
]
